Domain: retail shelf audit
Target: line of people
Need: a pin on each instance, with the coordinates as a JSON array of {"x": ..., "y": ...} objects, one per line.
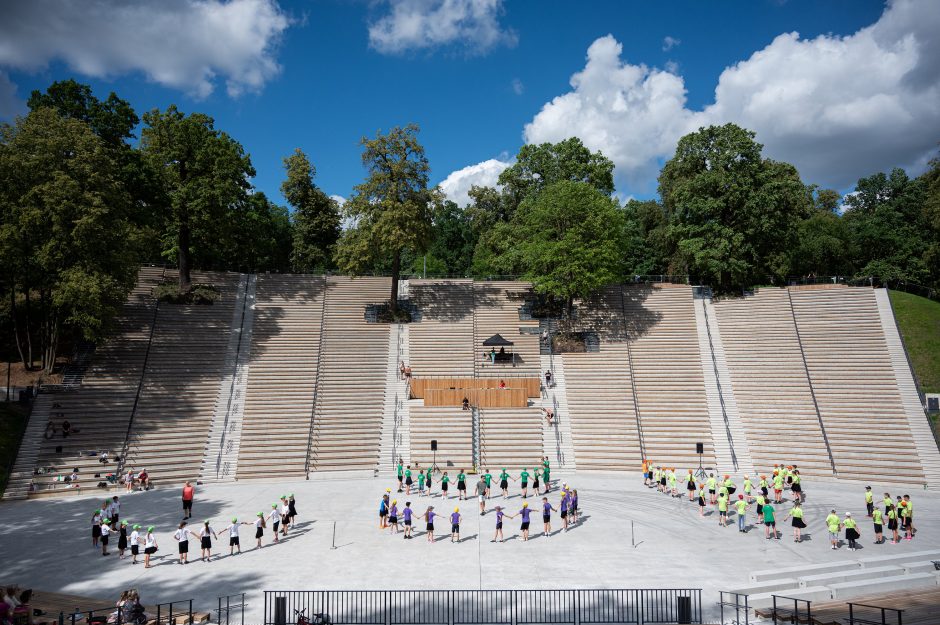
[
  {"x": 421, "y": 481},
  {"x": 899, "y": 513},
  {"x": 106, "y": 521}
]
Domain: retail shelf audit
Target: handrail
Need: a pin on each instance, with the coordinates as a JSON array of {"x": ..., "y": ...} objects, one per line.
[
  {"x": 316, "y": 383},
  {"x": 809, "y": 381},
  {"x": 140, "y": 387},
  {"x": 853, "y": 620},
  {"x": 235, "y": 365},
  {"x": 636, "y": 403},
  {"x": 721, "y": 397}
]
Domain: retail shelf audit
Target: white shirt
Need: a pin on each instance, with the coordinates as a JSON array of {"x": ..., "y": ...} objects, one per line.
[
  {"x": 182, "y": 534},
  {"x": 258, "y": 522},
  {"x": 274, "y": 516},
  {"x": 233, "y": 530},
  {"x": 135, "y": 538},
  {"x": 205, "y": 531},
  {"x": 105, "y": 530},
  {"x": 151, "y": 541},
  {"x": 285, "y": 510},
  {"x": 96, "y": 519},
  {"x": 115, "y": 508}
]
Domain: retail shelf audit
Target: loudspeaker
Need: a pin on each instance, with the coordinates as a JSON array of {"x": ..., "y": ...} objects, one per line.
[
  {"x": 699, "y": 448},
  {"x": 58, "y": 449},
  {"x": 433, "y": 444}
]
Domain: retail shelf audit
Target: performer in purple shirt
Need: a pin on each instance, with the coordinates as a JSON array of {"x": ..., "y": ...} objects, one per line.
[
  {"x": 524, "y": 513},
  {"x": 547, "y": 509},
  {"x": 499, "y": 524},
  {"x": 429, "y": 519},
  {"x": 406, "y": 515},
  {"x": 455, "y": 525}
]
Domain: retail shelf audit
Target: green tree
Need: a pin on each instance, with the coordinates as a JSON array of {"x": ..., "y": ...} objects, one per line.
[
  {"x": 733, "y": 214},
  {"x": 391, "y": 209},
  {"x": 260, "y": 237},
  {"x": 886, "y": 218},
  {"x": 316, "y": 216},
  {"x": 204, "y": 176},
  {"x": 539, "y": 166},
  {"x": 650, "y": 249},
  {"x": 67, "y": 238},
  {"x": 567, "y": 240},
  {"x": 452, "y": 239}
]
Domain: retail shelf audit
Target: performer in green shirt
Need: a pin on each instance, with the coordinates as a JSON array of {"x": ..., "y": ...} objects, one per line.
[
  {"x": 462, "y": 484},
  {"x": 524, "y": 482},
  {"x": 877, "y": 518},
  {"x": 796, "y": 513},
  {"x": 833, "y": 525}
]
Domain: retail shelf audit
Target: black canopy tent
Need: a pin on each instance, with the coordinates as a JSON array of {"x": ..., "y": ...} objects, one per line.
[{"x": 502, "y": 343}]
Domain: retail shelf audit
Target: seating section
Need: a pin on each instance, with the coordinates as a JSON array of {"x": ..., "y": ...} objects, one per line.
[
  {"x": 347, "y": 425},
  {"x": 441, "y": 341},
  {"x": 282, "y": 376},
  {"x": 667, "y": 373},
  {"x": 850, "y": 370},
  {"x": 496, "y": 311},
  {"x": 769, "y": 382},
  {"x": 181, "y": 383},
  {"x": 451, "y": 427},
  {"x": 510, "y": 438},
  {"x": 600, "y": 390}
]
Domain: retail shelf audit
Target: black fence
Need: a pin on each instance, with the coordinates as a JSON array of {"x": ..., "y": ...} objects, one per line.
[
  {"x": 864, "y": 614},
  {"x": 162, "y": 613},
  {"x": 478, "y": 607}
]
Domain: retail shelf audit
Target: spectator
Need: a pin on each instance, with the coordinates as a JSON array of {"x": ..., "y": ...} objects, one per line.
[
  {"x": 466, "y": 403},
  {"x": 50, "y": 430},
  {"x": 66, "y": 428},
  {"x": 493, "y": 355},
  {"x": 502, "y": 385},
  {"x": 103, "y": 457},
  {"x": 188, "y": 492},
  {"x": 549, "y": 416},
  {"x": 144, "y": 478},
  {"x": 73, "y": 478},
  {"x": 17, "y": 603},
  {"x": 401, "y": 370},
  {"x": 548, "y": 378},
  {"x": 129, "y": 479}
]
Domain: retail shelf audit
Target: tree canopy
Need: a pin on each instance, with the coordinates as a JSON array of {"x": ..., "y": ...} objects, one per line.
[
  {"x": 391, "y": 208},
  {"x": 316, "y": 216}
]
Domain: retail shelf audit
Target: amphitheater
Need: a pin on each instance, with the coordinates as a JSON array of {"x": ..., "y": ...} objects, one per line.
[{"x": 287, "y": 382}]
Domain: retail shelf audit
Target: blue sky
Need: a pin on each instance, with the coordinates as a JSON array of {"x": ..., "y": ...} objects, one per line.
[{"x": 481, "y": 77}]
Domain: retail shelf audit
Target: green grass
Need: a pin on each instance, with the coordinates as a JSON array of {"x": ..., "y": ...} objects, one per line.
[
  {"x": 13, "y": 420},
  {"x": 919, "y": 320}
]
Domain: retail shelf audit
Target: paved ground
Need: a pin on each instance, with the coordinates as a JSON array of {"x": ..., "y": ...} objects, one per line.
[{"x": 629, "y": 537}]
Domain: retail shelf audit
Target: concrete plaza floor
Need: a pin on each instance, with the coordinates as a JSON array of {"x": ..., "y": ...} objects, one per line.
[{"x": 629, "y": 537}]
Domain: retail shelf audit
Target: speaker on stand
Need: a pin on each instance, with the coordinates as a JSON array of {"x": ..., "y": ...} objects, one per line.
[
  {"x": 434, "y": 449},
  {"x": 700, "y": 450}
]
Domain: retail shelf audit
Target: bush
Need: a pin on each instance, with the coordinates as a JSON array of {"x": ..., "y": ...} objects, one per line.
[
  {"x": 385, "y": 314},
  {"x": 568, "y": 342},
  {"x": 199, "y": 294}
]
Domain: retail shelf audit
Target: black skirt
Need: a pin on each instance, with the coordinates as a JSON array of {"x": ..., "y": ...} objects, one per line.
[
  {"x": 892, "y": 524},
  {"x": 259, "y": 533},
  {"x": 851, "y": 533},
  {"x": 461, "y": 485},
  {"x": 690, "y": 486},
  {"x": 504, "y": 484},
  {"x": 95, "y": 531},
  {"x": 206, "y": 542},
  {"x": 122, "y": 541},
  {"x": 796, "y": 488},
  {"x": 184, "y": 546},
  {"x": 798, "y": 523}
]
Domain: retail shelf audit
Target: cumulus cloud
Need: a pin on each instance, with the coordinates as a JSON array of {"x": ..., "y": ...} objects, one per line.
[
  {"x": 485, "y": 174},
  {"x": 184, "y": 44},
  {"x": 670, "y": 42},
  {"x": 10, "y": 104},
  {"x": 424, "y": 24},
  {"x": 836, "y": 107}
]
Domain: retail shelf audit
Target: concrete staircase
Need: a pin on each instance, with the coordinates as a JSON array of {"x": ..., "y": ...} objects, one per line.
[
  {"x": 732, "y": 453},
  {"x": 844, "y": 580},
  {"x": 924, "y": 441},
  {"x": 221, "y": 456},
  {"x": 396, "y": 437},
  {"x": 22, "y": 473},
  {"x": 556, "y": 440}
]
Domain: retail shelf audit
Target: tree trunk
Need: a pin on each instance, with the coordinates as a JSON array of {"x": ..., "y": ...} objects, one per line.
[
  {"x": 16, "y": 325},
  {"x": 28, "y": 322},
  {"x": 186, "y": 281},
  {"x": 52, "y": 345},
  {"x": 396, "y": 267}
]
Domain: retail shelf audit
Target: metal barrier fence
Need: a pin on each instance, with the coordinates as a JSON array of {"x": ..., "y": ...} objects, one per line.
[
  {"x": 864, "y": 614},
  {"x": 478, "y": 607},
  {"x": 162, "y": 614},
  {"x": 736, "y": 603},
  {"x": 231, "y": 610},
  {"x": 801, "y": 612}
]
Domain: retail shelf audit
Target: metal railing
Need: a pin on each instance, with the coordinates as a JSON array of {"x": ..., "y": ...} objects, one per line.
[
  {"x": 738, "y": 603},
  {"x": 229, "y": 606},
  {"x": 494, "y": 607},
  {"x": 721, "y": 392},
  {"x": 782, "y": 613},
  {"x": 160, "y": 614},
  {"x": 884, "y": 615},
  {"x": 314, "y": 409}
]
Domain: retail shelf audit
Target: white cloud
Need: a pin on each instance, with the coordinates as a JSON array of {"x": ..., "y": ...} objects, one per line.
[
  {"x": 183, "y": 44},
  {"x": 517, "y": 87},
  {"x": 836, "y": 107},
  {"x": 485, "y": 174},
  {"x": 423, "y": 24},
  {"x": 10, "y": 104},
  {"x": 670, "y": 42}
]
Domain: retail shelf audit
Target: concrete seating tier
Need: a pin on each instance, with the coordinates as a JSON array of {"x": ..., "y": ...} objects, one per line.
[
  {"x": 769, "y": 382},
  {"x": 510, "y": 438},
  {"x": 351, "y": 390},
  {"x": 667, "y": 374},
  {"x": 451, "y": 427},
  {"x": 850, "y": 370},
  {"x": 496, "y": 311},
  {"x": 101, "y": 408},
  {"x": 282, "y": 375},
  {"x": 181, "y": 383},
  {"x": 441, "y": 341}
]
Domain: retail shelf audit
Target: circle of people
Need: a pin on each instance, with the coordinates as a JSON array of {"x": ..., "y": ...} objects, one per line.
[
  {"x": 106, "y": 521},
  {"x": 899, "y": 514},
  {"x": 420, "y": 482}
]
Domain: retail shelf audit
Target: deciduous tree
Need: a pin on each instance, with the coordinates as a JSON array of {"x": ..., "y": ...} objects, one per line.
[{"x": 316, "y": 216}]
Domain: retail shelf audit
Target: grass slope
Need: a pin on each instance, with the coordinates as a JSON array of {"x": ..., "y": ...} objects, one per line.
[
  {"x": 919, "y": 320},
  {"x": 13, "y": 420}
]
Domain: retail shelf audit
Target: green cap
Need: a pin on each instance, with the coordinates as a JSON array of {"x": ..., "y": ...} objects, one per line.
[
  {"x": 151, "y": 528},
  {"x": 291, "y": 495},
  {"x": 234, "y": 520},
  {"x": 136, "y": 527},
  {"x": 106, "y": 521},
  {"x": 274, "y": 505},
  {"x": 123, "y": 522},
  {"x": 261, "y": 514},
  {"x": 97, "y": 511}
]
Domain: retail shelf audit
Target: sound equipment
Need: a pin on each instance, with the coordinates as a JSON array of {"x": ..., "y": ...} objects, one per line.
[
  {"x": 699, "y": 448},
  {"x": 434, "y": 444}
]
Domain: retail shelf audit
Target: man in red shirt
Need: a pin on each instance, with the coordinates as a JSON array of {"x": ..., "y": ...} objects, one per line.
[{"x": 188, "y": 491}]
